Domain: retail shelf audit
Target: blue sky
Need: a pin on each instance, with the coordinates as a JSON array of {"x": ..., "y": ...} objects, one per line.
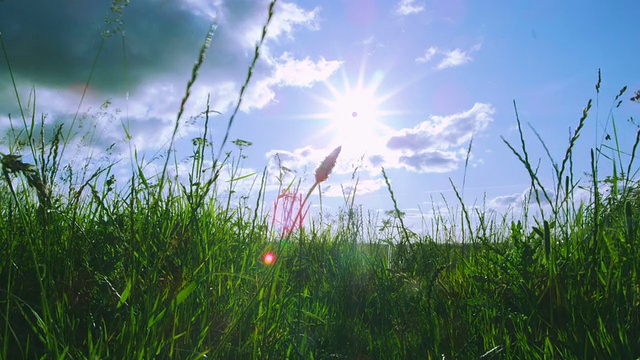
[{"x": 421, "y": 77}]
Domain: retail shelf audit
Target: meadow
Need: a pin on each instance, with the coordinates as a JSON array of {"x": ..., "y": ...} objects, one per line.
[{"x": 157, "y": 268}]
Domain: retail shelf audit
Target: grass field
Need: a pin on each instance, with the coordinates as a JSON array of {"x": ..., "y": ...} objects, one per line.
[{"x": 92, "y": 268}]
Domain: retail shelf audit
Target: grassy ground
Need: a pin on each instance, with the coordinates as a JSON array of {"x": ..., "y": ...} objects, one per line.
[{"x": 155, "y": 268}]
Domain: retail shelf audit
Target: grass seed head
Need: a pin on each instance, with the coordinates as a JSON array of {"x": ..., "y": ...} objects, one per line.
[{"x": 327, "y": 165}]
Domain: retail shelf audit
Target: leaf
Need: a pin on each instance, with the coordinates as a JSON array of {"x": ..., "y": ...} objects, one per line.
[
  {"x": 125, "y": 295},
  {"x": 154, "y": 319},
  {"x": 184, "y": 293},
  {"x": 242, "y": 177}
]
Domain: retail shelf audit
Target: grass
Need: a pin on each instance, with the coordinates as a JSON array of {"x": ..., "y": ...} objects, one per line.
[{"x": 155, "y": 268}]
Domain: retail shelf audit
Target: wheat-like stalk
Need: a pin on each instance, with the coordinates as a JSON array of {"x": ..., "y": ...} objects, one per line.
[{"x": 324, "y": 170}]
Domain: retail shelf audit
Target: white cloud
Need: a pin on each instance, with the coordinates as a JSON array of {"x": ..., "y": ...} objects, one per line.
[
  {"x": 297, "y": 159},
  {"x": 369, "y": 40},
  {"x": 437, "y": 144},
  {"x": 450, "y": 58},
  {"x": 367, "y": 186},
  {"x": 407, "y": 7},
  {"x": 454, "y": 58},
  {"x": 202, "y": 7},
  {"x": 223, "y": 95},
  {"x": 443, "y": 132},
  {"x": 433, "y": 161},
  {"x": 515, "y": 202},
  {"x": 258, "y": 95},
  {"x": 427, "y": 55},
  {"x": 287, "y": 71},
  {"x": 506, "y": 202},
  {"x": 302, "y": 73},
  {"x": 287, "y": 17}
]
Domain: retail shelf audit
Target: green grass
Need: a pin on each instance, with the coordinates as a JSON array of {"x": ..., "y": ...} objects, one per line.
[{"x": 153, "y": 268}]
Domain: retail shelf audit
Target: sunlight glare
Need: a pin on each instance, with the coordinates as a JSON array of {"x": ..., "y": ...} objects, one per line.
[
  {"x": 355, "y": 117},
  {"x": 269, "y": 258},
  {"x": 355, "y": 105}
]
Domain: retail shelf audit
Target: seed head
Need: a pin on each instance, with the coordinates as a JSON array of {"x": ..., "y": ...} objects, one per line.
[{"x": 327, "y": 165}]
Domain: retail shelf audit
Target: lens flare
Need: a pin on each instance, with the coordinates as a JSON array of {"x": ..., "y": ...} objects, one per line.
[{"x": 269, "y": 258}]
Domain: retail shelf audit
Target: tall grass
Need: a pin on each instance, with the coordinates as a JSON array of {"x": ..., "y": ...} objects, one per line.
[{"x": 90, "y": 268}]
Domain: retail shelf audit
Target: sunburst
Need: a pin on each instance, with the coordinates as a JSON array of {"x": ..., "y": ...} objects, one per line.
[{"x": 356, "y": 115}]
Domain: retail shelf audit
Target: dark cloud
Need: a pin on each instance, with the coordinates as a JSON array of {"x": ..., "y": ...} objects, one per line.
[
  {"x": 56, "y": 42},
  {"x": 430, "y": 161},
  {"x": 52, "y": 46}
]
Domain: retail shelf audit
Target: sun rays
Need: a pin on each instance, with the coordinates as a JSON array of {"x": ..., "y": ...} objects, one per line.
[{"x": 355, "y": 115}]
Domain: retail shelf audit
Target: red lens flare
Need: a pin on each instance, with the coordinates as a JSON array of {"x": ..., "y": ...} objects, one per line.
[{"x": 269, "y": 258}]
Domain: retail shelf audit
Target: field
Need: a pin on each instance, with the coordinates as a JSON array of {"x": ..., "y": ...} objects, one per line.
[{"x": 93, "y": 268}]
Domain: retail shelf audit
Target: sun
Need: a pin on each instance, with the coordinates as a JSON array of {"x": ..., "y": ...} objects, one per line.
[
  {"x": 354, "y": 106},
  {"x": 355, "y": 115}
]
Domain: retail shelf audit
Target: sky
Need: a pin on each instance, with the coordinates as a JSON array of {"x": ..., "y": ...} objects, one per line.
[{"x": 407, "y": 85}]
